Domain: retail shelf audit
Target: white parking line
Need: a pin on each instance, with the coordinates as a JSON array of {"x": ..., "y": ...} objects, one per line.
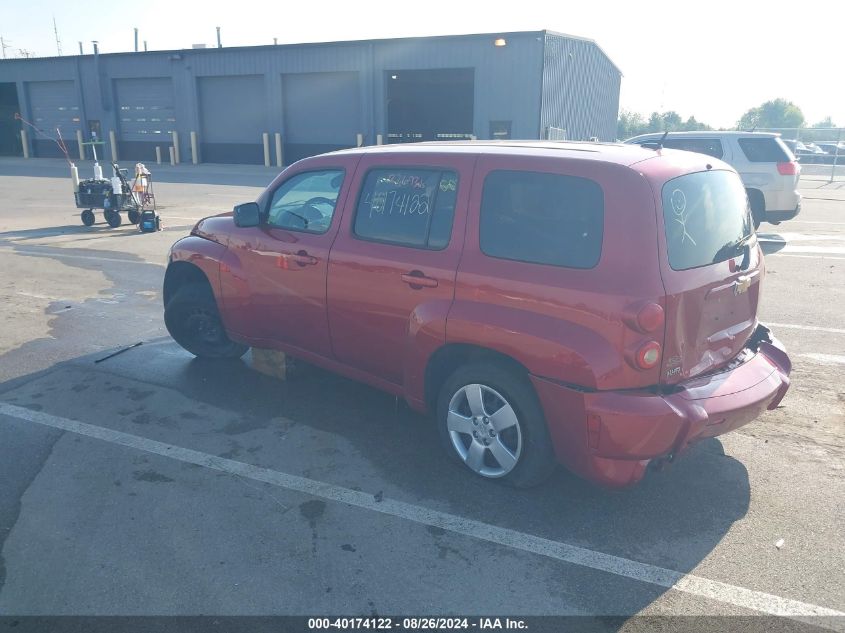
[
  {"x": 810, "y": 328},
  {"x": 825, "y": 359},
  {"x": 642, "y": 572},
  {"x": 779, "y": 254}
]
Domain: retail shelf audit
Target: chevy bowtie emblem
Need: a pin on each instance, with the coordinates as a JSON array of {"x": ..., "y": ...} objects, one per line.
[{"x": 742, "y": 284}]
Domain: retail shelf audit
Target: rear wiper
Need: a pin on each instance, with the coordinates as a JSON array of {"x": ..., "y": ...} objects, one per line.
[{"x": 732, "y": 249}]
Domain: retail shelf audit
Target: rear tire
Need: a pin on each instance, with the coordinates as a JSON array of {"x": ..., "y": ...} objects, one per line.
[
  {"x": 193, "y": 320},
  {"x": 88, "y": 218},
  {"x": 134, "y": 216},
  {"x": 758, "y": 207},
  {"x": 500, "y": 434}
]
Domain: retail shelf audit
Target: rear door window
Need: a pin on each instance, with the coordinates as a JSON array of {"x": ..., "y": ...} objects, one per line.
[
  {"x": 710, "y": 146},
  {"x": 542, "y": 218},
  {"x": 706, "y": 218},
  {"x": 765, "y": 150},
  {"x": 407, "y": 207}
]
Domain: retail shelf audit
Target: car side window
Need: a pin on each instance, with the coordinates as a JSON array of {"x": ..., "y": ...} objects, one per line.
[
  {"x": 306, "y": 202},
  {"x": 710, "y": 146},
  {"x": 542, "y": 218},
  {"x": 407, "y": 207}
]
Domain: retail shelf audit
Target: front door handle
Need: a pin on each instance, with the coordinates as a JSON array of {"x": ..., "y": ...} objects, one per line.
[
  {"x": 302, "y": 258},
  {"x": 416, "y": 279}
]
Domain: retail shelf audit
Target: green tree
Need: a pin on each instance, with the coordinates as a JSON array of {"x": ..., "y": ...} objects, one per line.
[
  {"x": 778, "y": 113},
  {"x": 633, "y": 123},
  {"x": 825, "y": 122}
]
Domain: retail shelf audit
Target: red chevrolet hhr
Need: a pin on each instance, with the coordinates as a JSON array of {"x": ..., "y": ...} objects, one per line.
[{"x": 593, "y": 305}]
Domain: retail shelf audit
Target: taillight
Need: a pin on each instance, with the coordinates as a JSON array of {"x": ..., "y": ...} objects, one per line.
[
  {"x": 788, "y": 169},
  {"x": 650, "y": 317},
  {"x": 648, "y": 355}
]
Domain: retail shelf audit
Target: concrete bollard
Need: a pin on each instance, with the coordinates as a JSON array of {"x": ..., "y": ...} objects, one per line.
[
  {"x": 113, "y": 142},
  {"x": 195, "y": 158},
  {"x": 379, "y": 139},
  {"x": 25, "y": 143},
  {"x": 176, "y": 146},
  {"x": 359, "y": 140},
  {"x": 158, "y": 155},
  {"x": 172, "y": 156},
  {"x": 270, "y": 362},
  {"x": 265, "y": 138},
  {"x": 279, "y": 158},
  {"x": 79, "y": 141}
]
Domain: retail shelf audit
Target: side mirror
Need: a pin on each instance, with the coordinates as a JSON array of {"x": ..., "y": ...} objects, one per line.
[{"x": 247, "y": 214}]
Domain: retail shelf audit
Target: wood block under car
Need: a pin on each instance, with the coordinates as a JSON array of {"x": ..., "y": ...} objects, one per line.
[{"x": 270, "y": 362}]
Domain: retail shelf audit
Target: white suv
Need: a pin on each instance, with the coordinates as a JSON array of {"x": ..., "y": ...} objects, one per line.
[{"x": 766, "y": 165}]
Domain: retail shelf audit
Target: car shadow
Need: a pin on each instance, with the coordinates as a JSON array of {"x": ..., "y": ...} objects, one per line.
[
  {"x": 672, "y": 519},
  {"x": 771, "y": 242}
]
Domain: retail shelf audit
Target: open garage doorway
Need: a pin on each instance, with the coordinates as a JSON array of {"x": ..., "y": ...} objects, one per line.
[
  {"x": 10, "y": 135},
  {"x": 429, "y": 105}
]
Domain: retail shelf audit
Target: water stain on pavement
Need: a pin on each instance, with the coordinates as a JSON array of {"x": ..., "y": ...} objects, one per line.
[{"x": 151, "y": 476}]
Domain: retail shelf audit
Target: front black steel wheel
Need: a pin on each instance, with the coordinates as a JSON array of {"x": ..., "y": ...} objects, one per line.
[
  {"x": 134, "y": 216},
  {"x": 88, "y": 218},
  {"x": 193, "y": 320}
]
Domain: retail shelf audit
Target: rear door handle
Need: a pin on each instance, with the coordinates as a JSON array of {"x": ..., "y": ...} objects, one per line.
[
  {"x": 416, "y": 279},
  {"x": 302, "y": 258}
]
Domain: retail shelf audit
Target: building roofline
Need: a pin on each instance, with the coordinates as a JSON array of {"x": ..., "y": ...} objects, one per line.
[
  {"x": 591, "y": 41},
  {"x": 212, "y": 50}
]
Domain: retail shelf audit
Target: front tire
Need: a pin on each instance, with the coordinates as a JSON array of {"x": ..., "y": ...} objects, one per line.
[
  {"x": 87, "y": 217},
  {"x": 134, "y": 216},
  {"x": 193, "y": 320},
  {"x": 490, "y": 420},
  {"x": 113, "y": 218}
]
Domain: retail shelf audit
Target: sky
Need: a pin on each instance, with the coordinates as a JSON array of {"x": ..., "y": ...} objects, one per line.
[{"x": 713, "y": 60}]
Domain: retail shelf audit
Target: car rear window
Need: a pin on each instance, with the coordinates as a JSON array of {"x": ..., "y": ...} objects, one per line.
[
  {"x": 765, "y": 150},
  {"x": 705, "y": 216},
  {"x": 542, "y": 218},
  {"x": 710, "y": 146}
]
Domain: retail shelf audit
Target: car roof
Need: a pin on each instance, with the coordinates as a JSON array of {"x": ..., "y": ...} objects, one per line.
[
  {"x": 705, "y": 133},
  {"x": 618, "y": 153}
]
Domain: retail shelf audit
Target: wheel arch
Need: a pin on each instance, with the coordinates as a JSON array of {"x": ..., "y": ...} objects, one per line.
[
  {"x": 446, "y": 359},
  {"x": 181, "y": 273}
]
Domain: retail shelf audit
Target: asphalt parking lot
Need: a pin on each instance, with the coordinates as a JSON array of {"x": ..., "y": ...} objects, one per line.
[{"x": 152, "y": 483}]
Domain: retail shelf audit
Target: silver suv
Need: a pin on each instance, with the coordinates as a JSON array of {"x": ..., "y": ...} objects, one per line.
[{"x": 767, "y": 167}]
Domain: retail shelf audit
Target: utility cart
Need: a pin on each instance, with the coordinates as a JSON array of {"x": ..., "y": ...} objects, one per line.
[{"x": 116, "y": 195}]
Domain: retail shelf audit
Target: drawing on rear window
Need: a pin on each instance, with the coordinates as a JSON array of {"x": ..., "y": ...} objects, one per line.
[
  {"x": 679, "y": 206},
  {"x": 706, "y": 218}
]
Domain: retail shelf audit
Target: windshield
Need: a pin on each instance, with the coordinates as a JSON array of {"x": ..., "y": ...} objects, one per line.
[{"x": 706, "y": 218}]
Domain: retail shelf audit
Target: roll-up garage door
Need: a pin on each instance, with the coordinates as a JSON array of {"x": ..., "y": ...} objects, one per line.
[
  {"x": 146, "y": 116},
  {"x": 322, "y": 112},
  {"x": 54, "y": 105},
  {"x": 233, "y": 116}
]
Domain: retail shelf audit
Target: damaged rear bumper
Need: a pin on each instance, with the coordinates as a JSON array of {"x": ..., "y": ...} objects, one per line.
[{"x": 610, "y": 437}]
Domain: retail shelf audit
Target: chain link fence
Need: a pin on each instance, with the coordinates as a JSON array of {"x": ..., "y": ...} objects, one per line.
[{"x": 821, "y": 151}]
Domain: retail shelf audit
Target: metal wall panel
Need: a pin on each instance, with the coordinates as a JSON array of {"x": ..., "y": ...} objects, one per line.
[
  {"x": 233, "y": 116},
  {"x": 54, "y": 105},
  {"x": 516, "y": 87},
  {"x": 580, "y": 89}
]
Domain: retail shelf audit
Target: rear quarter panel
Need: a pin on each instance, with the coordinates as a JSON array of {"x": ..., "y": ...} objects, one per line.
[{"x": 565, "y": 324}]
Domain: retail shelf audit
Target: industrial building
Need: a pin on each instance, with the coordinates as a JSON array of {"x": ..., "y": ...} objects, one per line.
[{"x": 236, "y": 105}]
